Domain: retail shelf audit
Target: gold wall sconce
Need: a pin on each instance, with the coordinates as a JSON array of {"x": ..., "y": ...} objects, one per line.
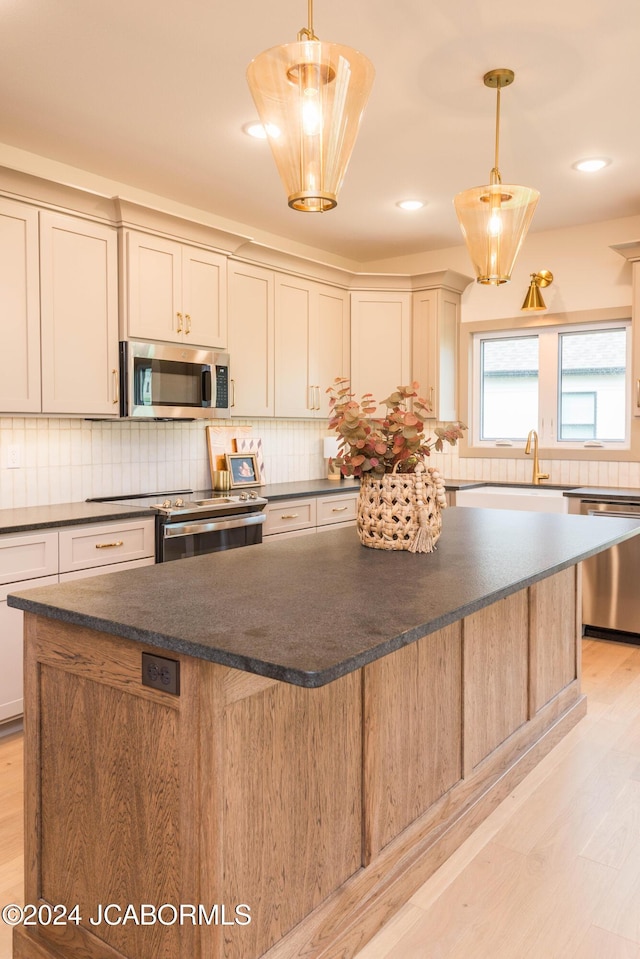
[{"x": 533, "y": 300}]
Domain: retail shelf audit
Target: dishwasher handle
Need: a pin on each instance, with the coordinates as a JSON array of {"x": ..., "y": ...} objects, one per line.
[{"x": 621, "y": 513}]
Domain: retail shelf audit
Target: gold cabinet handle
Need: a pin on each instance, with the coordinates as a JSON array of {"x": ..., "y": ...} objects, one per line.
[
  {"x": 318, "y": 400},
  {"x": 188, "y": 321},
  {"x": 179, "y": 316},
  {"x": 233, "y": 393},
  {"x": 310, "y": 398},
  {"x": 638, "y": 393},
  {"x": 289, "y": 516},
  {"x": 116, "y": 387},
  {"x": 339, "y": 509},
  {"x": 118, "y": 542}
]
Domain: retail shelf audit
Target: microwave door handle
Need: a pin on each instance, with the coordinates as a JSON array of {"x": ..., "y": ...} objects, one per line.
[{"x": 206, "y": 387}]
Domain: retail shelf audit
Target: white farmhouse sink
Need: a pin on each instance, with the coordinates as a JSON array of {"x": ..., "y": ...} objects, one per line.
[{"x": 537, "y": 498}]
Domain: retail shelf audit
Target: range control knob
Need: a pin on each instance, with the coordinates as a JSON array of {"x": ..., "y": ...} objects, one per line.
[
  {"x": 166, "y": 503},
  {"x": 179, "y": 502},
  {"x": 252, "y": 494},
  {"x": 243, "y": 496}
]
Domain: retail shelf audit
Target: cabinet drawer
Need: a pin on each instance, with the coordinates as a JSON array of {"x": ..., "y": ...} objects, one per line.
[
  {"x": 101, "y": 570},
  {"x": 28, "y": 555},
  {"x": 289, "y": 514},
  {"x": 336, "y": 508},
  {"x": 92, "y": 546}
]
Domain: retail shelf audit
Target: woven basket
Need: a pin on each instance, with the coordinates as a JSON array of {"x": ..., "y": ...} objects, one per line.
[{"x": 401, "y": 510}]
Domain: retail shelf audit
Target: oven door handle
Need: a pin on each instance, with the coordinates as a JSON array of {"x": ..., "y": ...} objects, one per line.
[{"x": 172, "y": 530}]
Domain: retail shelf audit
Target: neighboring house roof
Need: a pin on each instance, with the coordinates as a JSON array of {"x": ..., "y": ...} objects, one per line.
[{"x": 518, "y": 356}]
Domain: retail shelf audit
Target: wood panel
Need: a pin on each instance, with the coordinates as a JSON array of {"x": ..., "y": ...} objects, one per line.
[
  {"x": 413, "y": 729},
  {"x": 552, "y": 611},
  {"x": 292, "y": 804},
  {"x": 496, "y": 676}
]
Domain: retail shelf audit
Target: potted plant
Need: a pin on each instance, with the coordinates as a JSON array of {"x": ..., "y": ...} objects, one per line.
[{"x": 400, "y": 499}]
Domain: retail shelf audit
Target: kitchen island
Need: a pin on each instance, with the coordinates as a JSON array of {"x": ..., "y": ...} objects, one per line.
[{"x": 342, "y": 720}]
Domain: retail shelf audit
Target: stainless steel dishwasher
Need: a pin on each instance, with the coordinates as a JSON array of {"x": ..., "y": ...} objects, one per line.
[{"x": 610, "y": 585}]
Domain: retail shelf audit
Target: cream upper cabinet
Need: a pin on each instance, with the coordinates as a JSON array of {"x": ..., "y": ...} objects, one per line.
[
  {"x": 436, "y": 327},
  {"x": 251, "y": 339},
  {"x": 20, "y": 313},
  {"x": 380, "y": 343},
  {"x": 79, "y": 316},
  {"x": 174, "y": 292},
  {"x": 311, "y": 345}
]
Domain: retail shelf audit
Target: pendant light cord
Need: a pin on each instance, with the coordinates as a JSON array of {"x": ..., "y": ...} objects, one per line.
[
  {"x": 495, "y": 173},
  {"x": 307, "y": 32}
]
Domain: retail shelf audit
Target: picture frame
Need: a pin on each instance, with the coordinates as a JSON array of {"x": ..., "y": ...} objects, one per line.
[{"x": 243, "y": 469}]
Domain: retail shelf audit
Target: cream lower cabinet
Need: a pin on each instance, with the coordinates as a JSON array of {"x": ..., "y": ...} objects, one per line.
[
  {"x": 46, "y": 557},
  {"x": 251, "y": 335},
  {"x": 380, "y": 343},
  {"x": 79, "y": 316},
  {"x": 20, "y": 308},
  {"x": 173, "y": 292},
  {"x": 312, "y": 345},
  {"x": 300, "y": 515}
]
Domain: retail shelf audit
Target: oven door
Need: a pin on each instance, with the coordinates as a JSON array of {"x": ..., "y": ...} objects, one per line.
[{"x": 193, "y": 538}]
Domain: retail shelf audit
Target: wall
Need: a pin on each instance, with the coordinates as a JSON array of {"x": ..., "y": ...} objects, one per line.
[{"x": 68, "y": 460}]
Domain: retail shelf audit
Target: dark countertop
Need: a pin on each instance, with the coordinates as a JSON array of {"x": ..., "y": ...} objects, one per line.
[
  {"x": 610, "y": 494},
  {"x": 317, "y": 487},
  {"x": 29, "y": 518},
  {"x": 309, "y": 609}
]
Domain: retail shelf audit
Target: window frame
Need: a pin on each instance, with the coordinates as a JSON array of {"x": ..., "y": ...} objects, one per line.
[
  {"x": 470, "y": 447},
  {"x": 549, "y": 354}
]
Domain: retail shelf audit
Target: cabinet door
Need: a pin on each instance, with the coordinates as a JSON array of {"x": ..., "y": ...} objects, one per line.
[
  {"x": 20, "y": 308},
  {"x": 204, "y": 298},
  {"x": 380, "y": 343},
  {"x": 11, "y": 639},
  {"x": 154, "y": 288},
  {"x": 251, "y": 331},
  {"x": 295, "y": 395},
  {"x": 79, "y": 316},
  {"x": 436, "y": 324},
  {"x": 330, "y": 344}
]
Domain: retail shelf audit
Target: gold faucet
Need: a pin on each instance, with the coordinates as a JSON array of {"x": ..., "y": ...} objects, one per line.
[{"x": 537, "y": 475}]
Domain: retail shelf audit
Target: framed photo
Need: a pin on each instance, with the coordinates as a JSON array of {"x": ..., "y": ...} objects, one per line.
[{"x": 243, "y": 468}]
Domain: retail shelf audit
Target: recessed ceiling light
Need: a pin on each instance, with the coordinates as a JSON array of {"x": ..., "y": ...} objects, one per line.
[
  {"x": 591, "y": 164},
  {"x": 259, "y": 132},
  {"x": 410, "y": 204}
]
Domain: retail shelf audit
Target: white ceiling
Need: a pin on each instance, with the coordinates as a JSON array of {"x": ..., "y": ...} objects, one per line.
[{"x": 153, "y": 94}]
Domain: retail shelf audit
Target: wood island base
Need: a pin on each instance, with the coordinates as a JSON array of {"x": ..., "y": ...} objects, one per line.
[{"x": 316, "y": 812}]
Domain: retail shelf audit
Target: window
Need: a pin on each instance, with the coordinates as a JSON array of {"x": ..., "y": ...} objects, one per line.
[{"x": 569, "y": 384}]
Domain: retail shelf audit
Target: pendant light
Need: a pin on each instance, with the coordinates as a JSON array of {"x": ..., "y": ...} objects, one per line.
[
  {"x": 495, "y": 218},
  {"x": 533, "y": 300},
  {"x": 313, "y": 93}
]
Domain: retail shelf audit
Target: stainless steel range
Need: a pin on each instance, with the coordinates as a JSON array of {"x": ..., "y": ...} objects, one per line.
[{"x": 191, "y": 523}]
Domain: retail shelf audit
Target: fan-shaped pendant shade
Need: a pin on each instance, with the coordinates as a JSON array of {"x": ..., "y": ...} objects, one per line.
[
  {"x": 310, "y": 97},
  {"x": 494, "y": 220}
]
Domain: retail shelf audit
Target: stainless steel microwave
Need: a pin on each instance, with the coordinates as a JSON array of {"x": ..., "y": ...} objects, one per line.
[{"x": 164, "y": 381}]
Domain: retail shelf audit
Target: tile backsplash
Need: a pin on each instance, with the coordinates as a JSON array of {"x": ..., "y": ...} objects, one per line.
[{"x": 68, "y": 460}]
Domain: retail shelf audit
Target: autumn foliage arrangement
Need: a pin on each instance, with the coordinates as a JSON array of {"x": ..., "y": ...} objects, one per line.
[{"x": 394, "y": 443}]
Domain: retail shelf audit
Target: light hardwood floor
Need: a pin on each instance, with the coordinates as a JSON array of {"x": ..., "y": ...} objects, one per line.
[{"x": 553, "y": 873}]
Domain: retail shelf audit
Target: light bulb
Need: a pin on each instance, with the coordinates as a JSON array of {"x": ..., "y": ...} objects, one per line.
[{"x": 311, "y": 113}]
